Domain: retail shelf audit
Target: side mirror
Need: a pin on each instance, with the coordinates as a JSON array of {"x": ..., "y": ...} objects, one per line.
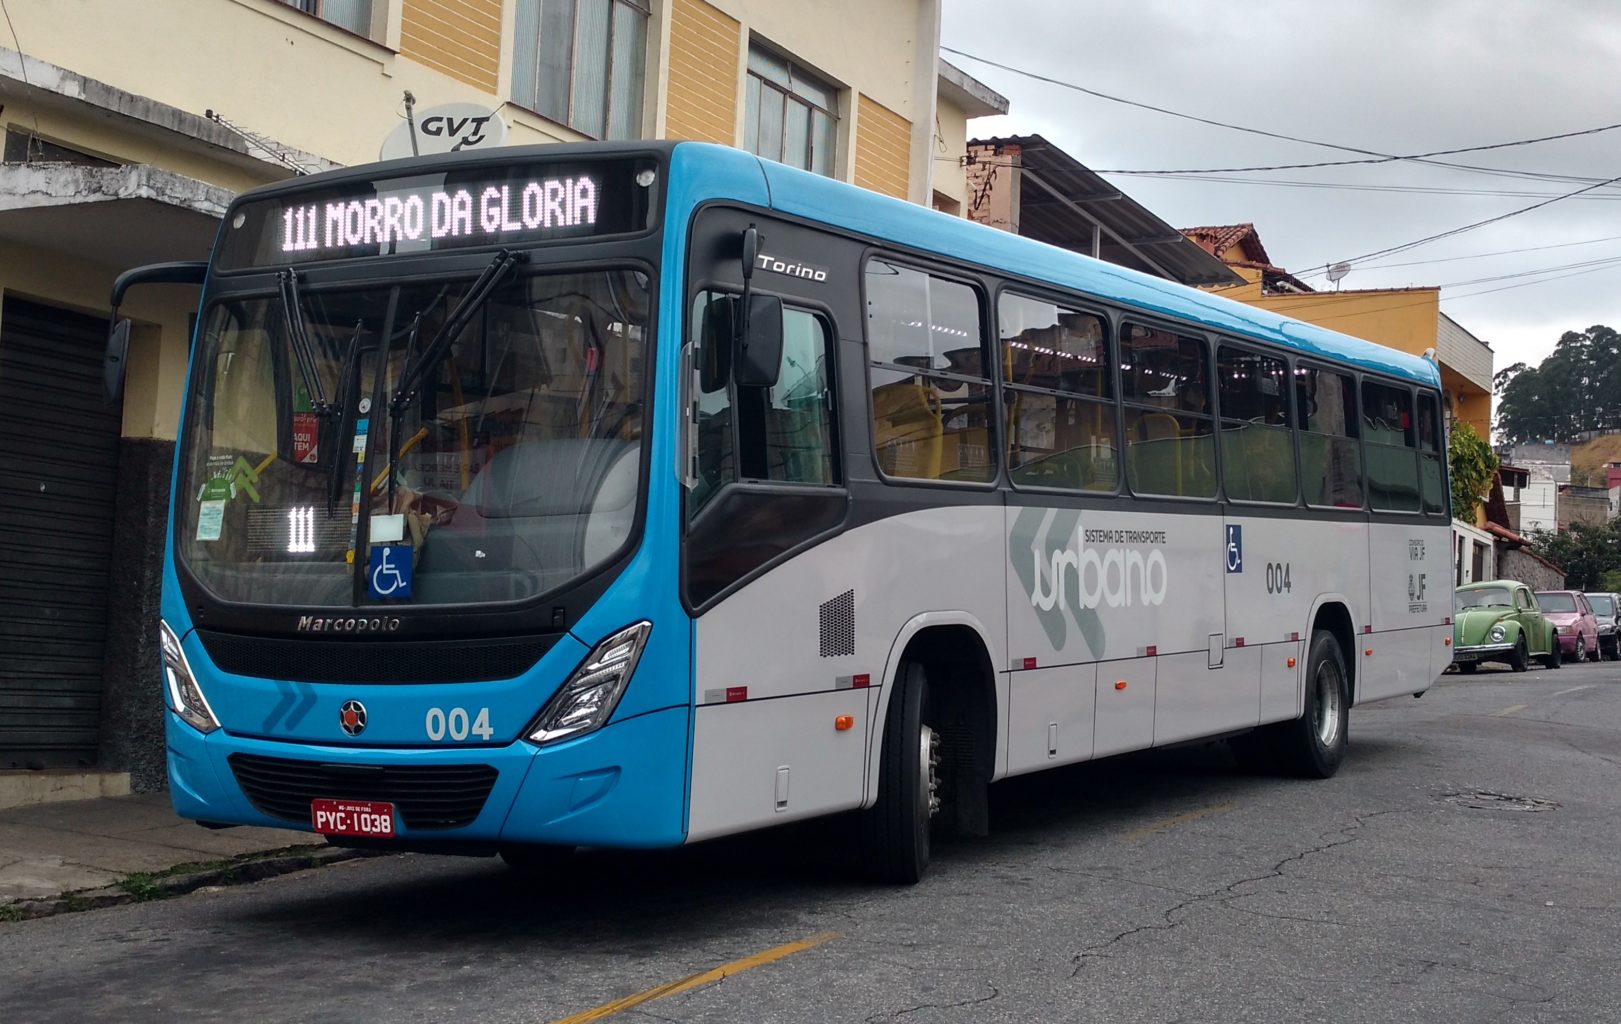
[
  {"x": 759, "y": 347},
  {"x": 112, "y": 363}
]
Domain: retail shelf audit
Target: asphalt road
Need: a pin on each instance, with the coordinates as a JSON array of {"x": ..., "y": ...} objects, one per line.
[{"x": 1462, "y": 867}]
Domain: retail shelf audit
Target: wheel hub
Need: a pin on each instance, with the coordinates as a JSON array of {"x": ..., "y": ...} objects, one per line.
[
  {"x": 1330, "y": 697},
  {"x": 929, "y": 770}
]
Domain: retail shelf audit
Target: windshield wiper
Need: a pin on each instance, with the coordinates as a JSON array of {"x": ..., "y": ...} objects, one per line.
[
  {"x": 419, "y": 361},
  {"x": 346, "y": 383},
  {"x": 455, "y": 321},
  {"x": 303, "y": 349}
]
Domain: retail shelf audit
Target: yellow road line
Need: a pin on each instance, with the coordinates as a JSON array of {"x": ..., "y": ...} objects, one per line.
[
  {"x": 1181, "y": 819},
  {"x": 694, "y": 981},
  {"x": 1511, "y": 709}
]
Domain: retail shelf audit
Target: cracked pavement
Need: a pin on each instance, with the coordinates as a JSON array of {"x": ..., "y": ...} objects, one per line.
[{"x": 1165, "y": 887}]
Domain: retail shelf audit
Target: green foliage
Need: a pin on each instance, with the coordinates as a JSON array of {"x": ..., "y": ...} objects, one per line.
[
  {"x": 1472, "y": 464},
  {"x": 1575, "y": 389},
  {"x": 1590, "y": 555}
]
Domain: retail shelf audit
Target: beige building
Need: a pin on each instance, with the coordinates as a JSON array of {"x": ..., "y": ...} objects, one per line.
[{"x": 128, "y": 126}]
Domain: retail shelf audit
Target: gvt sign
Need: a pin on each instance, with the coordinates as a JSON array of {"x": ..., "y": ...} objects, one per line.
[{"x": 451, "y": 128}]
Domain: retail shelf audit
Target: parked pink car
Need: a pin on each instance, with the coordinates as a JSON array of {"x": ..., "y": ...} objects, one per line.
[{"x": 1573, "y": 620}]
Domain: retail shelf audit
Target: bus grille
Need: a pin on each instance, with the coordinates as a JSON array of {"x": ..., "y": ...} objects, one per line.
[
  {"x": 375, "y": 661},
  {"x": 426, "y": 797}
]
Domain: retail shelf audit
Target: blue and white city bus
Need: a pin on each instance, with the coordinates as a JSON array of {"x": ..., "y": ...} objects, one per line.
[{"x": 630, "y": 495}]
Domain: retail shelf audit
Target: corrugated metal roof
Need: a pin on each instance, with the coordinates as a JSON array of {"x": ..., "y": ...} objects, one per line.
[{"x": 1060, "y": 201}]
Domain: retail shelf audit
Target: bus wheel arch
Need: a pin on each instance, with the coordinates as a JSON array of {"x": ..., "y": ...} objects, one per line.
[
  {"x": 1332, "y": 616},
  {"x": 964, "y": 710}
]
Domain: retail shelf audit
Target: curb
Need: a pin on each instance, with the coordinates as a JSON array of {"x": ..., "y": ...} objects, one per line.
[{"x": 178, "y": 881}]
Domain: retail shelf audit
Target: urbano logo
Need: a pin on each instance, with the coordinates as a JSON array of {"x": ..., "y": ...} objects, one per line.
[{"x": 1067, "y": 579}]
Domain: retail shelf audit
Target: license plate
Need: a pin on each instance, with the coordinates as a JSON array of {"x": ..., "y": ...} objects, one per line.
[{"x": 353, "y": 818}]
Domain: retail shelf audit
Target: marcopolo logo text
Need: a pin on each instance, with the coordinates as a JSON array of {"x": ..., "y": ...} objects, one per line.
[{"x": 347, "y": 624}]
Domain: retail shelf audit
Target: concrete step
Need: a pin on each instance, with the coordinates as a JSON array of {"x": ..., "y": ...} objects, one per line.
[{"x": 27, "y": 788}]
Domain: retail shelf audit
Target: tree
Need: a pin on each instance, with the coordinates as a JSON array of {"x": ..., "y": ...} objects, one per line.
[
  {"x": 1589, "y": 554},
  {"x": 1577, "y": 388},
  {"x": 1472, "y": 464}
]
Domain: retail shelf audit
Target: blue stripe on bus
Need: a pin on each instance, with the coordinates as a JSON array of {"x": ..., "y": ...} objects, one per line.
[{"x": 822, "y": 199}]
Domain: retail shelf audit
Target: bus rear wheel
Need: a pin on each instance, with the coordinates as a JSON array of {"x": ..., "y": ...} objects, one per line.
[
  {"x": 1313, "y": 745},
  {"x": 895, "y": 830}
]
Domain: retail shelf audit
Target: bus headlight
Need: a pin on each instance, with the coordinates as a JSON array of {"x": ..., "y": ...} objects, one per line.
[
  {"x": 1497, "y": 634},
  {"x": 590, "y": 695},
  {"x": 185, "y": 696}
]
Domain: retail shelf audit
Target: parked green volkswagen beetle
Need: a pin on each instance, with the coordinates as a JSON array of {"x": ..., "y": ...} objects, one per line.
[{"x": 1500, "y": 621}]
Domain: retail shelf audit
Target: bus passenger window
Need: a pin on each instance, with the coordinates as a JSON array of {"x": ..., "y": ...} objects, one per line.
[
  {"x": 931, "y": 401},
  {"x": 1391, "y": 439},
  {"x": 1169, "y": 440},
  {"x": 1430, "y": 453},
  {"x": 1257, "y": 447},
  {"x": 1060, "y": 419},
  {"x": 1330, "y": 453}
]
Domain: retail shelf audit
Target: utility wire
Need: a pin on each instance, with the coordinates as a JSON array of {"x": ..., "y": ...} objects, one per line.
[
  {"x": 1367, "y": 160},
  {"x": 1392, "y": 250},
  {"x": 1471, "y": 256},
  {"x": 1379, "y": 157}
]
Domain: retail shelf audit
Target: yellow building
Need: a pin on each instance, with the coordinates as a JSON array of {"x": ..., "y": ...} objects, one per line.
[
  {"x": 128, "y": 126},
  {"x": 1408, "y": 319}
]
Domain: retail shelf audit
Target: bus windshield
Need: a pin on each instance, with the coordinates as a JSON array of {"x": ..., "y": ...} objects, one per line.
[{"x": 492, "y": 440}]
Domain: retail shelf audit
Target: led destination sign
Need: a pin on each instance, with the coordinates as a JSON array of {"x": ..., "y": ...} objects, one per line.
[
  {"x": 419, "y": 213},
  {"x": 493, "y": 214}
]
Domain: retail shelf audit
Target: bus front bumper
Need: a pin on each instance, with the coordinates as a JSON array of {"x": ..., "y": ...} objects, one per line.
[{"x": 623, "y": 785}]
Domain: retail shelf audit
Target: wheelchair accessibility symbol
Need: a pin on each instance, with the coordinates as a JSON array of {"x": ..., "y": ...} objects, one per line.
[
  {"x": 389, "y": 573},
  {"x": 1235, "y": 549}
]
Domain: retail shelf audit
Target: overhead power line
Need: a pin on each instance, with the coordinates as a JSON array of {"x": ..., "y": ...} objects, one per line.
[
  {"x": 1369, "y": 160},
  {"x": 1378, "y": 157}
]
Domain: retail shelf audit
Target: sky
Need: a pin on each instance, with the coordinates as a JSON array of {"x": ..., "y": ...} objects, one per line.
[{"x": 1394, "y": 77}]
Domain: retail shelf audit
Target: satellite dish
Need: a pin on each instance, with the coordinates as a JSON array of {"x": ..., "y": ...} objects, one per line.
[{"x": 1338, "y": 271}]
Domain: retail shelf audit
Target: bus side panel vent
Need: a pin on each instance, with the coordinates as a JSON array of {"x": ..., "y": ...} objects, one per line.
[{"x": 839, "y": 626}]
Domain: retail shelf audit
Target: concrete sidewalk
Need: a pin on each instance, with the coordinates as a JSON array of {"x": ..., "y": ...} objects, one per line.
[{"x": 116, "y": 845}]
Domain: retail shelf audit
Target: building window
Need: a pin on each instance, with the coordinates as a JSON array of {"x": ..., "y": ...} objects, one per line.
[
  {"x": 582, "y": 63},
  {"x": 349, "y": 15},
  {"x": 790, "y": 115}
]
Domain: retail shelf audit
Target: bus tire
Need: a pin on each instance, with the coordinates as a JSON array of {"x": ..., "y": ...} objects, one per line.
[
  {"x": 535, "y": 858},
  {"x": 1313, "y": 745},
  {"x": 895, "y": 829}
]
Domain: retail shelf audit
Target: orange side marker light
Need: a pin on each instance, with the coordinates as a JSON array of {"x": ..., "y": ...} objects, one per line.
[
  {"x": 844, "y": 722},
  {"x": 1368, "y": 652},
  {"x": 1119, "y": 684},
  {"x": 1447, "y": 641},
  {"x": 1291, "y": 663}
]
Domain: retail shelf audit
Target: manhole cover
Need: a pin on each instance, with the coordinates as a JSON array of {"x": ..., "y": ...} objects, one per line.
[{"x": 1486, "y": 800}]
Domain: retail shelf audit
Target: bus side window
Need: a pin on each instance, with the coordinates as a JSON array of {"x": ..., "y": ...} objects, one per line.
[
  {"x": 1169, "y": 442},
  {"x": 781, "y": 434},
  {"x": 1389, "y": 435},
  {"x": 931, "y": 396},
  {"x": 1258, "y": 459},
  {"x": 1330, "y": 453},
  {"x": 1430, "y": 454}
]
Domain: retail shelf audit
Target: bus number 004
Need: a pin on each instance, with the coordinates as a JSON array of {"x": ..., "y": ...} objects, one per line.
[
  {"x": 1277, "y": 578},
  {"x": 456, "y": 724}
]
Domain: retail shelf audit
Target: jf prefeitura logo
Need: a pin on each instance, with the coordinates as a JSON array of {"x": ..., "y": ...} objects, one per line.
[{"x": 1069, "y": 573}]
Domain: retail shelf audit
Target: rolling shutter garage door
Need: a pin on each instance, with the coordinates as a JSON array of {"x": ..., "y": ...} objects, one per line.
[{"x": 58, "y": 480}]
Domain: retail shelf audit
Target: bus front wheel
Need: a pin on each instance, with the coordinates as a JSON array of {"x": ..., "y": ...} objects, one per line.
[
  {"x": 895, "y": 830},
  {"x": 1313, "y": 745}
]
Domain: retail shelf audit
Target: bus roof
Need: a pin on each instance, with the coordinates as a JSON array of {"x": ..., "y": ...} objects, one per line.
[{"x": 825, "y": 200}]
